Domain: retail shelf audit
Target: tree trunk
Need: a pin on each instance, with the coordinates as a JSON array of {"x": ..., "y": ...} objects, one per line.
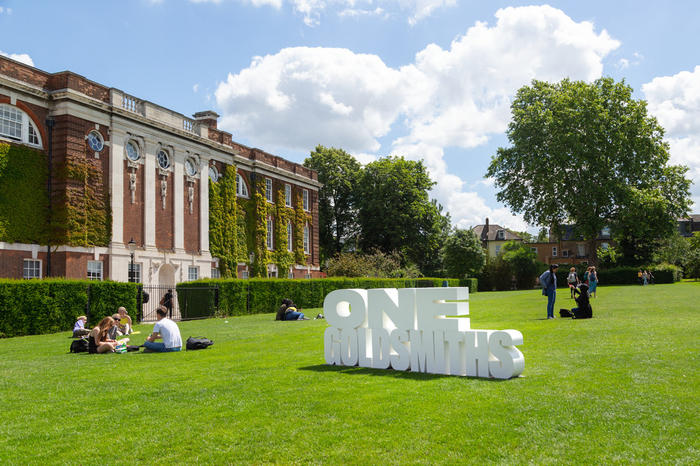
[{"x": 592, "y": 247}]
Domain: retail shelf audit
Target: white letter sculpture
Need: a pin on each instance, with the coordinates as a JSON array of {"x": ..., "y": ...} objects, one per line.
[{"x": 417, "y": 329}]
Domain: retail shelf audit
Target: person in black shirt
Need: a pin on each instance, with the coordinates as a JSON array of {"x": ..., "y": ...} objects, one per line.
[{"x": 167, "y": 302}]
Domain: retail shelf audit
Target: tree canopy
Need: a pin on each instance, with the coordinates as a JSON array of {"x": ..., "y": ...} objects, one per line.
[
  {"x": 339, "y": 172},
  {"x": 589, "y": 154},
  {"x": 462, "y": 254}
]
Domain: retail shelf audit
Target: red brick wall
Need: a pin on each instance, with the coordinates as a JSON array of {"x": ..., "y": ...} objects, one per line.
[
  {"x": 191, "y": 220},
  {"x": 23, "y": 72},
  {"x": 134, "y": 213},
  {"x": 164, "y": 217}
]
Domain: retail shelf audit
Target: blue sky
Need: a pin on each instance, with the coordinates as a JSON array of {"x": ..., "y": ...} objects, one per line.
[{"x": 427, "y": 79}]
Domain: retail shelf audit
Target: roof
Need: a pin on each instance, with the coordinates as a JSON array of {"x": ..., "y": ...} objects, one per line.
[{"x": 493, "y": 231}]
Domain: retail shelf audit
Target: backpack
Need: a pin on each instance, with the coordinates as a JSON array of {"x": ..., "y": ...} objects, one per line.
[
  {"x": 79, "y": 346},
  {"x": 194, "y": 343}
]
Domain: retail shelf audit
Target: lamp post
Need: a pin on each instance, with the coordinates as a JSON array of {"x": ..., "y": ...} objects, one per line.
[{"x": 132, "y": 247}]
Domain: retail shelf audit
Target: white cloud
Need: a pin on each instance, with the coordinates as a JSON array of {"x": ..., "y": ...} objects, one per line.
[
  {"x": 675, "y": 102},
  {"x": 20, "y": 57},
  {"x": 454, "y": 97},
  {"x": 195, "y": 87},
  {"x": 7, "y": 11},
  {"x": 354, "y": 12}
]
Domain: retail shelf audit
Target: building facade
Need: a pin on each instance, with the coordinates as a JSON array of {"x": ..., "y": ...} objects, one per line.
[
  {"x": 129, "y": 176},
  {"x": 493, "y": 237}
]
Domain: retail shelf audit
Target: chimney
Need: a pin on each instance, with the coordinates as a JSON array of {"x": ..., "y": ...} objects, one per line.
[
  {"x": 485, "y": 231},
  {"x": 207, "y": 118}
]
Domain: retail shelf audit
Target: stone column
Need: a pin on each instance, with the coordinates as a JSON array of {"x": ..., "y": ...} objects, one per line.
[
  {"x": 149, "y": 194},
  {"x": 204, "y": 204},
  {"x": 179, "y": 204},
  {"x": 116, "y": 183}
]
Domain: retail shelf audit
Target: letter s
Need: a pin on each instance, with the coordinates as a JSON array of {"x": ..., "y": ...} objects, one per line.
[{"x": 510, "y": 361}]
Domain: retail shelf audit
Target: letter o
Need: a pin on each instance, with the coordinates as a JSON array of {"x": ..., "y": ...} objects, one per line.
[{"x": 346, "y": 309}]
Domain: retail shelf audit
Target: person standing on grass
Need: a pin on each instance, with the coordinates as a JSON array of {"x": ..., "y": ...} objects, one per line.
[
  {"x": 548, "y": 280},
  {"x": 166, "y": 330},
  {"x": 592, "y": 282},
  {"x": 572, "y": 279}
]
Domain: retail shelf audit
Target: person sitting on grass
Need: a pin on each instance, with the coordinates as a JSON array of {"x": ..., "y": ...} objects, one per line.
[
  {"x": 79, "y": 329},
  {"x": 288, "y": 311},
  {"x": 98, "y": 339},
  {"x": 584, "y": 309},
  {"x": 124, "y": 322},
  {"x": 166, "y": 330}
]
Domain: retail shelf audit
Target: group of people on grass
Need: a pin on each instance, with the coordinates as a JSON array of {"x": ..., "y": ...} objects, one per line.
[
  {"x": 581, "y": 291},
  {"x": 645, "y": 277},
  {"x": 104, "y": 337}
]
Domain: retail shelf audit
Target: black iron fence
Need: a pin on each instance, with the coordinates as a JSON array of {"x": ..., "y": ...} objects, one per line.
[{"x": 182, "y": 303}]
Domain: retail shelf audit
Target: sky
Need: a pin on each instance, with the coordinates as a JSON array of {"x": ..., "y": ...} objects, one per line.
[{"x": 429, "y": 80}]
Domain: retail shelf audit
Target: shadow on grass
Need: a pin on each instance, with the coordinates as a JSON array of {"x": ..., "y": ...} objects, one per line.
[{"x": 355, "y": 370}]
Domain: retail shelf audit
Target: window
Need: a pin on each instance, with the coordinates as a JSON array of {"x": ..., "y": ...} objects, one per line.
[
  {"x": 605, "y": 232},
  {"x": 554, "y": 252},
  {"x": 268, "y": 189},
  {"x": 132, "y": 151},
  {"x": 288, "y": 195},
  {"x": 95, "y": 141},
  {"x": 192, "y": 272},
  {"x": 31, "y": 269},
  {"x": 135, "y": 273},
  {"x": 564, "y": 253},
  {"x": 498, "y": 249},
  {"x": 605, "y": 246},
  {"x": 16, "y": 125},
  {"x": 163, "y": 160},
  {"x": 270, "y": 229},
  {"x": 241, "y": 188},
  {"x": 215, "y": 273},
  {"x": 244, "y": 274},
  {"x": 305, "y": 198},
  {"x": 306, "y": 239},
  {"x": 213, "y": 173},
  {"x": 289, "y": 237},
  {"x": 581, "y": 250},
  {"x": 501, "y": 234},
  {"x": 94, "y": 270},
  {"x": 290, "y": 274},
  {"x": 190, "y": 167},
  {"x": 534, "y": 250}
]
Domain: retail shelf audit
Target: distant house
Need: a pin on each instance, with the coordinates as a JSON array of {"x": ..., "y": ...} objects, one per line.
[
  {"x": 493, "y": 237},
  {"x": 688, "y": 226},
  {"x": 571, "y": 248}
]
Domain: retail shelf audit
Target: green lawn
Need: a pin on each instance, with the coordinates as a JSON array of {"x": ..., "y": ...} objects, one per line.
[{"x": 620, "y": 388}]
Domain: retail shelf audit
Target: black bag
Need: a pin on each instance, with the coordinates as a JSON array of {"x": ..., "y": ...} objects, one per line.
[
  {"x": 79, "y": 346},
  {"x": 145, "y": 297},
  {"x": 565, "y": 313},
  {"x": 194, "y": 343}
]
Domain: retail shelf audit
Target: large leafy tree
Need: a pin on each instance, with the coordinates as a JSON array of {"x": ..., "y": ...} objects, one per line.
[
  {"x": 522, "y": 261},
  {"x": 396, "y": 213},
  {"x": 462, "y": 254},
  {"x": 339, "y": 172},
  {"x": 588, "y": 153}
]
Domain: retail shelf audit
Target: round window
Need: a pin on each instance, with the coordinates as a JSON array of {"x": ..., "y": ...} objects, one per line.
[
  {"x": 190, "y": 167},
  {"x": 213, "y": 174},
  {"x": 95, "y": 141},
  {"x": 163, "y": 160},
  {"x": 132, "y": 151}
]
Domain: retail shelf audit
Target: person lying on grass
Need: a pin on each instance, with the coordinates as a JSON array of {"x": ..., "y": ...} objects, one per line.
[
  {"x": 98, "y": 339},
  {"x": 166, "y": 330},
  {"x": 288, "y": 311}
]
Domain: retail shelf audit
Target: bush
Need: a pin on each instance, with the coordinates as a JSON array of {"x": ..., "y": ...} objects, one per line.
[
  {"x": 262, "y": 295},
  {"x": 34, "y": 307}
]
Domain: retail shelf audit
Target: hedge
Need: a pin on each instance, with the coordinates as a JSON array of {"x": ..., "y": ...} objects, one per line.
[
  {"x": 34, "y": 307},
  {"x": 663, "y": 273},
  {"x": 261, "y": 295}
]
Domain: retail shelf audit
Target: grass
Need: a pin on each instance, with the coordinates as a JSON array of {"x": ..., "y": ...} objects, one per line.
[{"x": 619, "y": 388}]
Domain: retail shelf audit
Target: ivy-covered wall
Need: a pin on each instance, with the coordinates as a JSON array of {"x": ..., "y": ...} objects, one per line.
[
  {"x": 81, "y": 212},
  {"x": 23, "y": 199},
  {"x": 238, "y": 226}
]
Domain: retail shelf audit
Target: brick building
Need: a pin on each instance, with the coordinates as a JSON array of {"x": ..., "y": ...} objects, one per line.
[{"x": 127, "y": 170}]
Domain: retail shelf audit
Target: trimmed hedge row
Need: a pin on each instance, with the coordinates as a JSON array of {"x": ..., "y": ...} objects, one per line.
[
  {"x": 34, "y": 307},
  {"x": 663, "y": 273},
  {"x": 261, "y": 295}
]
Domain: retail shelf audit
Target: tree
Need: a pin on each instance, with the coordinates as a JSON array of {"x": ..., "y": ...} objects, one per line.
[
  {"x": 587, "y": 153},
  {"x": 522, "y": 261},
  {"x": 673, "y": 250},
  {"x": 396, "y": 214},
  {"x": 543, "y": 235},
  {"x": 692, "y": 264},
  {"x": 462, "y": 254},
  {"x": 339, "y": 172}
]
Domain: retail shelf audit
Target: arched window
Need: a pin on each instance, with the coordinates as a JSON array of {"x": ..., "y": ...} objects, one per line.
[
  {"x": 306, "y": 239},
  {"x": 241, "y": 187},
  {"x": 18, "y": 126},
  {"x": 289, "y": 236}
]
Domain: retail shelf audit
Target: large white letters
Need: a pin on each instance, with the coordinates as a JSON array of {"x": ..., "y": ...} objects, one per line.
[{"x": 417, "y": 329}]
